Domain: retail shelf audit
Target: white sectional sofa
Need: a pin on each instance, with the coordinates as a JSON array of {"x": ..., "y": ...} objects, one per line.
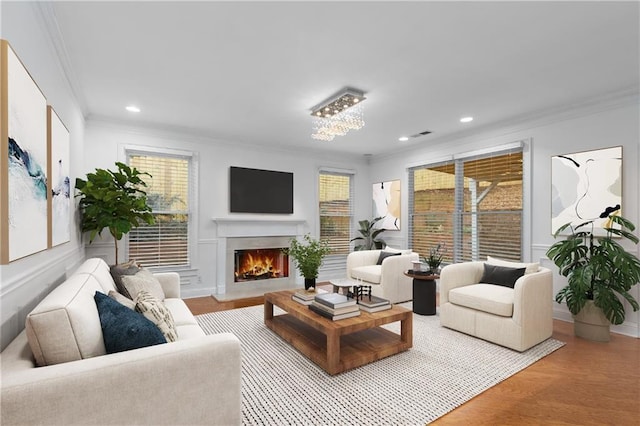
[
  {"x": 194, "y": 380},
  {"x": 387, "y": 279}
]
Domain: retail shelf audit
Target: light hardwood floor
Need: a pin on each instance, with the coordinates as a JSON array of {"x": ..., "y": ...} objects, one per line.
[{"x": 583, "y": 383}]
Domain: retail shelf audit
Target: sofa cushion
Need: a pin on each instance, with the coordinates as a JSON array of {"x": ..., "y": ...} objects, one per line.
[
  {"x": 501, "y": 275},
  {"x": 530, "y": 267},
  {"x": 493, "y": 299},
  {"x": 180, "y": 312},
  {"x": 65, "y": 325},
  {"x": 370, "y": 273},
  {"x": 142, "y": 280},
  {"x": 155, "y": 311},
  {"x": 118, "y": 271},
  {"x": 384, "y": 255},
  {"x": 124, "y": 329},
  {"x": 122, "y": 299}
]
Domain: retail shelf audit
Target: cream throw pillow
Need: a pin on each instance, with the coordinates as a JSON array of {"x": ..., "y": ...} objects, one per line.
[
  {"x": 156, "y": 311},
  {"x": 122, "y": 299},
  {"x": 530, "y": 267},
  {"x": 143, "y": 280}
]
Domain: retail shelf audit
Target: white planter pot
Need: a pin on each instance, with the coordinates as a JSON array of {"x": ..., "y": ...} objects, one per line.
[{"x": 591, "y": 324}]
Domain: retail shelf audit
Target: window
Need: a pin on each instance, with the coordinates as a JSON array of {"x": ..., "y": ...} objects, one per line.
[
  {"x": 472, "y": 204},
  {"x": 166, "y": 243},
  {"x": 336, "y": 210}
]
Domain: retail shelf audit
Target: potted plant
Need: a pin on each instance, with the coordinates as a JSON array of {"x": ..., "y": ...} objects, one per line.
[
  {"x": 369, "y": 236},
  {"x": 599, "y": 271},
  {"x": 113, "y": 200},
  {"x": 308, "y": 256},
  {"x": 434, "y": 260}
]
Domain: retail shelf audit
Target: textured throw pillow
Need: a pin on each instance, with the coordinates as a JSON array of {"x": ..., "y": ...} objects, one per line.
[
  {"x": 500, "y": 275},
  {"x": 124, "y": 329},
  {"x": 117, "y": 271},
  {"x": 142, "y": 280},
  {"x": 122, "y": 300},
  {"x": 530, "y": 267},
  {"x": 384, "y": 255},
  {"x": 155, "y": 311}
]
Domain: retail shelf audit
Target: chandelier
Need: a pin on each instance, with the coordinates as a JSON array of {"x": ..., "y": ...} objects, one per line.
[{"x": 337, "y": 115}]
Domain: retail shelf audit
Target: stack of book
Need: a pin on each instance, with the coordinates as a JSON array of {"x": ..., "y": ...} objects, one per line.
[
  {"x": 373, "y": 304},
  {"x": 306, "y": 297},
  {"x": 335, "y": 306}
]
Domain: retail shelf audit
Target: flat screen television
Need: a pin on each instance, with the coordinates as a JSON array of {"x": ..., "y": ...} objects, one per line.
[{"x": 260, "y": 191}]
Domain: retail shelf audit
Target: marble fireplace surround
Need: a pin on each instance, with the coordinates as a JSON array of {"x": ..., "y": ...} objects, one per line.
[{"x": 234, "y": 234}]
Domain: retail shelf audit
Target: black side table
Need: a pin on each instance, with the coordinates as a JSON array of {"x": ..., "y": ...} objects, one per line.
[{"x": 424, "y": 293}]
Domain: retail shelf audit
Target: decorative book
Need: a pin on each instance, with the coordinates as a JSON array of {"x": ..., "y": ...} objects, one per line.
[
  {"x": 334, "y": 317},
  {"x": 372, "y": 301},
  {"x": 337, "y": 311},
  {"x": 335, "y": 300},
  {"x": 375, "y": 308},
  {"x": 308, "y": 295}
]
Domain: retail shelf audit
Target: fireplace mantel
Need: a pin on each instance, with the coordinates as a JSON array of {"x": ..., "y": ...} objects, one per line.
[{"x": 228, "y": 228}]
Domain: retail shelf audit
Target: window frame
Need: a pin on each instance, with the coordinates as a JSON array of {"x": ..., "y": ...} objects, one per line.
[
  {"x": 336, "y": 259},
  {"x": 192, "y": 211}
]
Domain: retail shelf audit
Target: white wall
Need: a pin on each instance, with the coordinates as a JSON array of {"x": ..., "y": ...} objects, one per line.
[
  {"x": 25, "y": 281},
  {"x": 105, "y": 143},
  {"x": 598, "y": 125}
]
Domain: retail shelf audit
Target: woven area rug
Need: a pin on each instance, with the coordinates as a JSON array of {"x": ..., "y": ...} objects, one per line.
[{"x": 443, "y": 370}]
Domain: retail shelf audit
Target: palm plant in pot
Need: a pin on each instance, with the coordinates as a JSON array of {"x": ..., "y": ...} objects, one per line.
[
  {"x": 308, "y": 256},
  {"x": 114, "y": 200},
  {"x": 368, "y": 239},
  {"x": 600, "y": 272}
]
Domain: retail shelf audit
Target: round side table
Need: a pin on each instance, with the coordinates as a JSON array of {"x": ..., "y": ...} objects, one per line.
[{"x": 424, "y": 293}]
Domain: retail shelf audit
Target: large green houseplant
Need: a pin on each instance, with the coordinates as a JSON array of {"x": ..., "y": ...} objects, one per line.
[
  {"x": 368, "y": 239},
  {"x": 113, "y": 200},
  {"x": 308, "y": 256},
  {"x": 599, "y": 271}
]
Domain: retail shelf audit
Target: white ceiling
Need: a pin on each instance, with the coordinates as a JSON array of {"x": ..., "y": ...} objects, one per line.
[{"x": 251, "y": 71}]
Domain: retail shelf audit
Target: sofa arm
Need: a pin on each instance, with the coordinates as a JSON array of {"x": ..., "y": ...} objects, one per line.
[
  {"x": 396, "y": 285},
  {"x": 170, "y": 282},
  {"x": 459, "y": 275},
  {"x": 192, "y": 381},
  {"x": 533, "y": 298}
]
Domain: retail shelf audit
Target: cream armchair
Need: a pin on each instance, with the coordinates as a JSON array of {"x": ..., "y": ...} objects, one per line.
[
  {"x": 387, "y": 280},
  {"x": 517, "y": 318}
]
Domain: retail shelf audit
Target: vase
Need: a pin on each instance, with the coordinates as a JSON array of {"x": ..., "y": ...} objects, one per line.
[
  {"x": 309, "y": 282},
  {"x": 591, "y": 324}
]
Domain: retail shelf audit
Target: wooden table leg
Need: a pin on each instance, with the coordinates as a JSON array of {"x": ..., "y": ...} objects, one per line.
[
  {"x": 406, "y": 330},
  {"x": 268, "y": 310},
  {"x": 333, "y": 352}
]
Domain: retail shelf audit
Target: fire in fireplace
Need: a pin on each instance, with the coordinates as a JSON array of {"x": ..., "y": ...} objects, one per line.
[{"x": 260, "y": 264}]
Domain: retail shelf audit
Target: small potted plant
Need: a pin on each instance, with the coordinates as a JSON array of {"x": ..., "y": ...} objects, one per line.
[
  {"x": 308, "y": 256},
  {"x": 434, "y": 260},
  {"x": 600, "y": 273}
]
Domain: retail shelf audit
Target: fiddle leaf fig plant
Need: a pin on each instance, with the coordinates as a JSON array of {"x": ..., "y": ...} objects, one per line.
[
  {"x": 368, "y": 239},
  {"x": 597, "y": 268},
  {"x": 113, "y": 200}
]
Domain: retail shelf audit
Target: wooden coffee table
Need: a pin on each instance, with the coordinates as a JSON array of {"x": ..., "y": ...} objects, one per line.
[{"x": 337, "y": 346}]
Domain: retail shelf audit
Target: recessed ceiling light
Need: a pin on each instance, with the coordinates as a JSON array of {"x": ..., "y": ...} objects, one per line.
[
  {"x": 403, "y": 139},
  {"x": 132, "y": 108},
  {"x": 466, "y": 119}
]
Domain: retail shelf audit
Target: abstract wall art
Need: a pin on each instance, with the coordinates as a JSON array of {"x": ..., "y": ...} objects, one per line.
[
  {"x": 386, "y": 204},
  {"x": 586, "y": 186},
  {"x": 59, "y": 190},
  {"x": 23, "y": 154}
]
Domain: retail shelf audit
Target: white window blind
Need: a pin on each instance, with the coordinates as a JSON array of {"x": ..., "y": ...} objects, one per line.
[
  {"x": 473, "y": 205},
  {"x": 166, "y": 243},
  {"x": 336, "y": 210}
]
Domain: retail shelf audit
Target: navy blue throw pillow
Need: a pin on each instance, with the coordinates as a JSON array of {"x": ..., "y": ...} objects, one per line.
[
  {"x": 384, "y": 255},
  {"x": 124, "y": 329},
  {"x": 501, "y": 275}
]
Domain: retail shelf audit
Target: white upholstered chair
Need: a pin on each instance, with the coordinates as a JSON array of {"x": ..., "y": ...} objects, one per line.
[
  {"x": 518, "y": 317},
  {"x": 387, "y": 279}
]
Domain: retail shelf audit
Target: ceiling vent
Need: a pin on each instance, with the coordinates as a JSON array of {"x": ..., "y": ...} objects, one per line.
[{"x": 417, "y": 135}]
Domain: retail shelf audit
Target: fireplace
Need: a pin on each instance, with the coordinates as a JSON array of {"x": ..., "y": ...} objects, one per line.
[
  {"x": 260, "y": 264},
  {"x": 236, "y": 237}
]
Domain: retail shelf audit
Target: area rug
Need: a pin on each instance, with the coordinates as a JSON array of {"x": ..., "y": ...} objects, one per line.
[{"x": 443, "y": 370}]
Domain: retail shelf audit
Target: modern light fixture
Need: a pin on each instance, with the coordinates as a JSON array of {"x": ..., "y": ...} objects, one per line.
[
  {"x": 466, "y": 119},
  {"x": 132, "y": 108},
  {"x": 403, "y": 138},
  {"x": 338, "y": 114}
]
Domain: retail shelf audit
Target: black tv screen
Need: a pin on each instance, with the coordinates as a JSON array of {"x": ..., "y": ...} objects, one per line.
[{"x": 260, "y": 191}]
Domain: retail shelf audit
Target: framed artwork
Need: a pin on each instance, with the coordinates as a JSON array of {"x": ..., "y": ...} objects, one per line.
[
  {"x": 386, "y": 204},
  {"x": 59, "y": 190},
  {"x": 586, "y": 186},
  {"x": 23, "y": 155}
]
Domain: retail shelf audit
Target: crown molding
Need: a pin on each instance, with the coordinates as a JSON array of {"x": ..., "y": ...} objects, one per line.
[{"x": 46, "y": 13}]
